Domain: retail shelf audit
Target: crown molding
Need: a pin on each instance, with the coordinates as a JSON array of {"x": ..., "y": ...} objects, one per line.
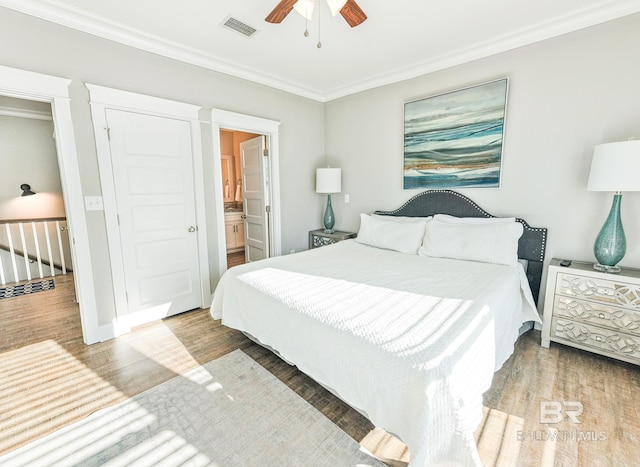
[
  {"x": 56, "y": 12},
  {"x": 80, "y": 20},
  {"x": 540, "y": 32},
  {"x": 6, "y": 111}
]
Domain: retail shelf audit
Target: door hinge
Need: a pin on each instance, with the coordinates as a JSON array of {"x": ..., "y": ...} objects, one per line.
[
  {"x": 126, "y": 297},
  {"x": 108, "y": 133},
  {"x": 118, "y": 218},
  {"x": 267, "y": 208}
]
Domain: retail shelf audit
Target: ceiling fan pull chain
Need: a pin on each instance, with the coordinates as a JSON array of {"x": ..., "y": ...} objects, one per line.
[
  {"x": 319, "y": 45},
  {"x": 306, "y": 23}
]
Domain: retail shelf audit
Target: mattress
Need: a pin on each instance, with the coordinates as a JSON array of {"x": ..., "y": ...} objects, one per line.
[{"x": 410, "y": 341}]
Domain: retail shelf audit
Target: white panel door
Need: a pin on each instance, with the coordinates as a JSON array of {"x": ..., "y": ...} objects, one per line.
[
  {"x": 255, "y": 189},
  {"x": 152, "y": 161}
]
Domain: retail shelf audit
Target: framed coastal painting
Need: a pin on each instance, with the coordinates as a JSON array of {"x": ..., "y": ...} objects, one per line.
[{"x": 455, "y": 140}]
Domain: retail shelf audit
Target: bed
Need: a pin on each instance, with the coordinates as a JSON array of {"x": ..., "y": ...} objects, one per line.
[{"x": 407, "y": 322}]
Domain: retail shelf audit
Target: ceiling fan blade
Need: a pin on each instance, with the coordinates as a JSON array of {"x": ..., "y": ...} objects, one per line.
[
  {"x": 281, "y": 11},
  {"x": 353, "y": 14}
]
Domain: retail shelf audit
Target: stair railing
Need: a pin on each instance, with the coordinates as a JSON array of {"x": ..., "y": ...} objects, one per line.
[{"x": 33, "y": 248}]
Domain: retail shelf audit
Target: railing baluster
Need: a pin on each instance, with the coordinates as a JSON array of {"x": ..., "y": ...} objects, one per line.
[
  {"x": 3, "y": 279},
  {"x": 36, "y": 240},
  {"x": 25, "y": 251},
  {"x": 52, "y": 269},
  {"x": 64, "y": 268},
  {"x": 12, "y": 253},
  {"x": 31, "y": 239}
]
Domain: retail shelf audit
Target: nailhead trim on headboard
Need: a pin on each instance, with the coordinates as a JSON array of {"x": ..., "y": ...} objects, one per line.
[{"x": 532, "y": 245}]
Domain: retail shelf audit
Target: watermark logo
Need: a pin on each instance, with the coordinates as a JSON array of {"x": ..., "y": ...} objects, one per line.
[{"x": 556, "y": 411}]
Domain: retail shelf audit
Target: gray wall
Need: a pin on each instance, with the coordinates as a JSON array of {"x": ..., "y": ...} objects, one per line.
[
  {"x": 28, "y": 153},
  {"x": 566, "y": 95},
  {"x": 36, "y": 45}
]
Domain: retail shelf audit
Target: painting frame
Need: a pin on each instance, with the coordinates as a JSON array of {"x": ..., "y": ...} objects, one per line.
[{"x": 456, "y": 139}]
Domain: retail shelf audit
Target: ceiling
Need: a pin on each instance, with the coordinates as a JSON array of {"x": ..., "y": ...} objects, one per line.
[{"x": 400, "y": 39}]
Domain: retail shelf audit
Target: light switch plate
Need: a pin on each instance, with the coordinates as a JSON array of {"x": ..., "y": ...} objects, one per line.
[{"x": 93, "y": 203}]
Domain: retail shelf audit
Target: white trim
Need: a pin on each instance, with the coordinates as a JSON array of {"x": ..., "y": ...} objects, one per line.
[
  {"x": 201, "y": 213},
  {"x": 44, "y": 88},
  {"x": 131, "y": 101},
  {"x": 98, "y": 117},
  {"x": 540, "y": 32},
  {"x": 81, "y": 20},
  {"x": 6, "y": 111},
  {"x": 101, "y": 99},
  {"x": 223, "y": 119}
]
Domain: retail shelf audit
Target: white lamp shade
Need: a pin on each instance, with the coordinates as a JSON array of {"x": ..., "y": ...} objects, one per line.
[
  {"x": 328, "y": 180},
  {"x": 336, "y": 5},
  {"x": 305, "y": 8},
  {"x": 615, "y": 167}
]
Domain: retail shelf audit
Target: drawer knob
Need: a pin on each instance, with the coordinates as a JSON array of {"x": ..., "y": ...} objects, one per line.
[{"x": 601, "y": 315}]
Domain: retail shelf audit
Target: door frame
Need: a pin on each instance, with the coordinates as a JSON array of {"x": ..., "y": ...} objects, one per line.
[
  {"x": 102, "y": 98},
  {"x": 226, "y": 120},
  {"x": 54, "y": 90}
]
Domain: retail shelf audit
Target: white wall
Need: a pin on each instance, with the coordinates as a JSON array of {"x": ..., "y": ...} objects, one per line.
[
  {"x": 48, "y": 48},
  {"x": 28, "y": 155},
  {"x": 566, "y": 95}
]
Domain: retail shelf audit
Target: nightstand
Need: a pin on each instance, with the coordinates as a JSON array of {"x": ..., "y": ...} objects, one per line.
[
  {"x": 592, "y": 310},
  {"x": 320, "y": 238}
]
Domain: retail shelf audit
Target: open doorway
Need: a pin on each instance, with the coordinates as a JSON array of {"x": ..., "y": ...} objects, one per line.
[
  {"x": 233, "y": 194},
  {"x": 34, "y": 241},
  {"x": 259, "y": 184},
  {"x": 53, "y": 90}
]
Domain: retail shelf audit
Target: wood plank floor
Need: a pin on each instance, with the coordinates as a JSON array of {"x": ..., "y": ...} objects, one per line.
[
  {"x": 49, "y": 378},
  {"x": 235, "y": 258}
]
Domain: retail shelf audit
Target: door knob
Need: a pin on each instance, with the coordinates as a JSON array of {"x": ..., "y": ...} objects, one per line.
[
  {"x": 244, "y": 216},
  {"x": 192, "y": 229}
]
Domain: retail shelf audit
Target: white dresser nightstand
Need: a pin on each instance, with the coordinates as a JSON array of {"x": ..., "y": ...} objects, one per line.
[{"x": 593, "y": 310}]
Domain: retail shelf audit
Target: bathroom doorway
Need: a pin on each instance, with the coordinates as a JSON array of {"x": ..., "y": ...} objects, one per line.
[{"x": 234, "y": 194}]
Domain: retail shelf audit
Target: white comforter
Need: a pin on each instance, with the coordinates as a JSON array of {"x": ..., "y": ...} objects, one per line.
[{"x": 413, "y": 342}]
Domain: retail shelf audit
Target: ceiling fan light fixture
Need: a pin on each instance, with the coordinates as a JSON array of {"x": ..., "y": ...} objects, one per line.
[
  {"x": 349, "y": 9},
  {"x": 336, "y": 5},
  {"x": 305, "y": 8}
]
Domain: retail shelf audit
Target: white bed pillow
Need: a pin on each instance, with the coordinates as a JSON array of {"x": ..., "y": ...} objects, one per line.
[
  {"x": 402, "y": 218},
  {"x": 472, "y": 220},
  {"x": 405, "y": 237},
  {"x": 485, "y": 242}
]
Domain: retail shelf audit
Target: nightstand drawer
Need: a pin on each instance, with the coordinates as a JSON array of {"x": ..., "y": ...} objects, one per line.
[
  {"x": 603, "y": 340},
  {"x": 318, "y": 238},
  {"x": 317, "y": 241},
  {"x": 610, "y": 291},
  {"x": 600, "y": 314}
]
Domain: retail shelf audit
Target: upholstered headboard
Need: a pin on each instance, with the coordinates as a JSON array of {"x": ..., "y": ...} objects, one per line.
[{"x": 531, "y": 246}]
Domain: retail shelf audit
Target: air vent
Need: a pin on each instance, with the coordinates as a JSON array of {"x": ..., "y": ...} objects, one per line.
[{"x": 238, "y": 26}]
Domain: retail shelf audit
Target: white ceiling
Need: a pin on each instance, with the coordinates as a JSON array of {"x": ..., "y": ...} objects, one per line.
[{"x": 400, "y": 39}]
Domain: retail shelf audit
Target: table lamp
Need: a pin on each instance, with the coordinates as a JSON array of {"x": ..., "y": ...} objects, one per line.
[
  {"x": 328, "y": 180},
  {"x": 614, "y": 167}
]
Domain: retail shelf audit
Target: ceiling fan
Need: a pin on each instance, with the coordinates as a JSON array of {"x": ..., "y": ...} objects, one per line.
[{"x": 349, "y": 9}]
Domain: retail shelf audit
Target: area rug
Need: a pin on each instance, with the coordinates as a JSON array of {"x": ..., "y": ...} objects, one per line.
[
  {"x": 228, "y": 412},
  {"x": 11, "y": 291}
]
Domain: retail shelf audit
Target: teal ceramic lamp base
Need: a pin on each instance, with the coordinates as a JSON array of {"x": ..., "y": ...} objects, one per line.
[
  {"x": 329, "y": 219},
  {"x": 604, "y": 268},
  {"x": 611, "y": 243}
]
